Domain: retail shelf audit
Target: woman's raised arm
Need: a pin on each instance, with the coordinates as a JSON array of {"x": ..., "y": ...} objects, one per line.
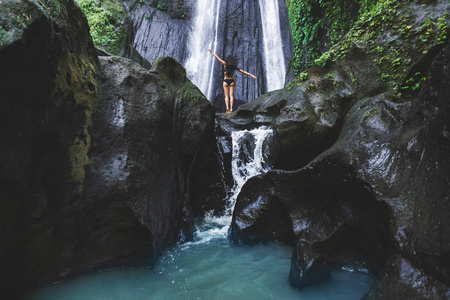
[
  {"x": 247, "y": 73},
  {"x": 217, "y": 57}
]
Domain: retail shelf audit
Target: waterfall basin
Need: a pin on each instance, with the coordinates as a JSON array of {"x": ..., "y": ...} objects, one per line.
[{"x": 209, "y": 267}]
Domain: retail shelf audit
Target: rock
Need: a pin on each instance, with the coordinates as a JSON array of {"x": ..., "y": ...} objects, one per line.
[
  {"x": 307, "y": 266},
  {"x": 48, "y": 93},
  {"x": 156, "y": 34},
  {"x": 373, "y": 189},
  {"x": 150, "y": 127},
  {"x": 333, "y": 219},
  {"x": 97, "y": 155}
]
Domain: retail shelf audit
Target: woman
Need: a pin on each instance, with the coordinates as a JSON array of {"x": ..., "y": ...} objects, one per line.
[{"x": 230, "y": 66}]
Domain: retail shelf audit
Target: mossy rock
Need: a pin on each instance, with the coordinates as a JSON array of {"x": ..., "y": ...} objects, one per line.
[{"x": 170, "y": 69}]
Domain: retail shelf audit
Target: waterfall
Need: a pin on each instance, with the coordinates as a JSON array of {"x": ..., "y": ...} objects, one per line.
[
  {"x": 273, "y": 45},
  {"x": 248, "y": 160},
  {"x": 199, "y": 63}
]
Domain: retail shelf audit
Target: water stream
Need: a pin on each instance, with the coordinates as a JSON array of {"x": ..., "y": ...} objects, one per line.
[
  {"x": 273, "y": 45},
  {"x": 199, "y": 63},
  {"x": 210, "y": 267}
]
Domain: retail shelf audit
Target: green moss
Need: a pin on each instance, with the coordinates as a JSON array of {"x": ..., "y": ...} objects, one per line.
[
  {"x": 371, "y": 113},
  {"x": 190, "y": 93},
  {"x": 352, "y": 76},
  {"x": 174, "y": 7},
  {"x": 394, "y": 57},
  {"x": 317, "y": 25}
]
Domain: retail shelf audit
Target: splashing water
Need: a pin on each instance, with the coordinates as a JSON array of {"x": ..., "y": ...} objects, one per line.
[
  {"x": 273, "y": 45},
  {"x": 199, "y": 64},
  {"x": 248, "y": 159}
]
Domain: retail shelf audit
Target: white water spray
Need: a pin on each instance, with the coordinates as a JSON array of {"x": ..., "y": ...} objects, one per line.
[
  {"x": 273, "y": 45},
  {"x": 248, "y": 160},
  {"x": 199, "y": 64}
]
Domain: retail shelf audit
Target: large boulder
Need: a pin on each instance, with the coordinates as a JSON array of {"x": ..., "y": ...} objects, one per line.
[
  {"x": 48, "y": 93},
  {"x": 373, "y": 191},
  {"x": 146, "y": 138},
  {"x": 97, "y": 157}
]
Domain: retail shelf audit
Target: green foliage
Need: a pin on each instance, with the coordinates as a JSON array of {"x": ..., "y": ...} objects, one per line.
[
  {"x": 107, "y": 30},
  {"x": 303, "y": 76},
  {"x": 389, "y": 32},
  {"x": 443, "y": 29},
  {"x": 317, "y": 25},
  {"x": 297, "y": 81}
]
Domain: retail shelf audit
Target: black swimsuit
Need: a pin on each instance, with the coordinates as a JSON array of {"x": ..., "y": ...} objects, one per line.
[{"x": 228, "y": 81}]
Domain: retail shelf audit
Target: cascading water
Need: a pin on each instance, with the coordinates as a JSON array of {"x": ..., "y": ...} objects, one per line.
[
  {"x": 199, "y": 64},
  {"x": 273, "y": 45},
  {"x": 248, "y": 158},
  {"x": 209, "y": 267}
]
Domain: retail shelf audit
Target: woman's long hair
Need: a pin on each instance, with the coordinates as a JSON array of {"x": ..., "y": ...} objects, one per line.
[{"x": 231, "y": 65}]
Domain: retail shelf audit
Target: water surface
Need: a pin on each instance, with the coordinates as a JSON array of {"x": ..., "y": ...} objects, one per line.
[{"x": 210, "y": 267}]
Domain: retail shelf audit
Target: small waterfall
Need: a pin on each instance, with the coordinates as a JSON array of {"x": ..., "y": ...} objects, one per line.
[
  {"x": 248, "y": 160},
  {"x": 273, "y": 45},
  {"x": 199, "y": 64}
]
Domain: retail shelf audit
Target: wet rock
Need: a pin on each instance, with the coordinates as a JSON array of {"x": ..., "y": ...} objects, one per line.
[
  {"x": 307, "y": 266},
  {"x": 333, "y": 219},
  {"x": 151, "y": 126},
  {"x": 261, "y": 220},
  {"x": 373, "y": 188},
  {"x": 97, "y": 155}
]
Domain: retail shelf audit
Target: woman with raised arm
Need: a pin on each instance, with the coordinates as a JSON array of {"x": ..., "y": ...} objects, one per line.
[{"x": 230, "y": 65}]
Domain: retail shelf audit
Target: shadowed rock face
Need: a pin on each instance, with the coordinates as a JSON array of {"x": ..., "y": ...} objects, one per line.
[
  {"x": 97, "y": 156},
  {"x": 368, "y": 186},
  {"x": 48, "y": 93},
  {"x": 148, "y": 131}
]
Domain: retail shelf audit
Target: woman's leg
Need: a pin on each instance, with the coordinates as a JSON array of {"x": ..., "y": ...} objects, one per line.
[
  {"x": 226, "y": 91},
  {"x": 231, "y": 96}
]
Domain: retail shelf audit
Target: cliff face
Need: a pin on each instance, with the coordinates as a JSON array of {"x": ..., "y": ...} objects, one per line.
[
  {"x": 48, "y": 94},
  {"x": 97, "y": 156},
  {"x": 162, "y": 33},
  {"x": 369, "y": 180}
]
